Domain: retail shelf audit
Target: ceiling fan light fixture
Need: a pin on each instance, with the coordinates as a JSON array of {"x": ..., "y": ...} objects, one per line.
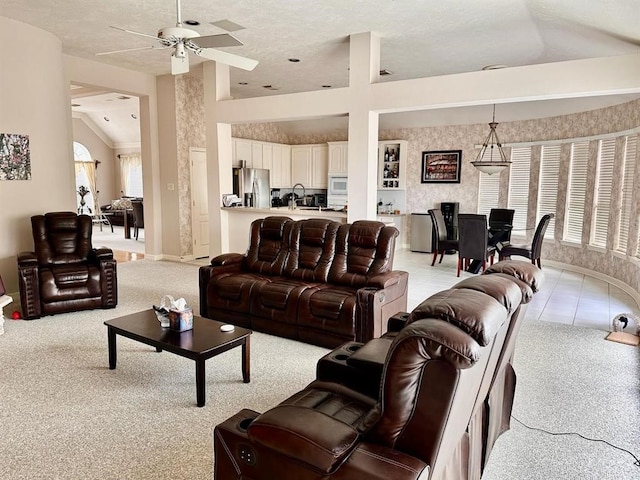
[{"x": 491, "y": 158}]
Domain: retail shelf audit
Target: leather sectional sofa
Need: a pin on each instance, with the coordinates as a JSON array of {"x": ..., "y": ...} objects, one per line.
[
  {"x": 427, "y": 400},
  {"x": 314, "y": 280}
]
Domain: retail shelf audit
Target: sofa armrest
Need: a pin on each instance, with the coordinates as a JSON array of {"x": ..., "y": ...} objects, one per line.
[
  {"x": 27, "y": 259},
  {"x": 377, "y": 304},
  {"x": 227, "y": 259},
  {"x": 101, "y": 253},
  {"x": 385, "y": 280},
  {"x": 397, "y": 322},
  {"x": 305, "y": 434}
]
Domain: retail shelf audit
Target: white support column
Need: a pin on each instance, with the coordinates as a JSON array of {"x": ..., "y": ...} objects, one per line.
[
  {"x": 219, "y": 150},
  {"x": 364, "y": 70}
]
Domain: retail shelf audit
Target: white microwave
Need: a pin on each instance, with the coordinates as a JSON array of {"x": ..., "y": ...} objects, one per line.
[{"x": 337, "y": 185}]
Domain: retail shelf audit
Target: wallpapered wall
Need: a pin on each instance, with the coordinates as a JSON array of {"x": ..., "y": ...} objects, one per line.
[{"x": 421, "y": 197}]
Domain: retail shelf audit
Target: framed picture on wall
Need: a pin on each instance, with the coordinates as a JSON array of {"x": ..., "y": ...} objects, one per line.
[{"x": 441, "y": 166}]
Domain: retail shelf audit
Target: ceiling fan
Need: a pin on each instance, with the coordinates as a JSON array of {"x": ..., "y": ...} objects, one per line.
[{"x": 183, "y": 40}]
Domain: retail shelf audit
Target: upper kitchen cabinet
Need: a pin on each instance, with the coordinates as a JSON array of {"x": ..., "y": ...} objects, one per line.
[
  {"x": 280, "y": 164},
  {"x": 392, "y": 164},
  {"x": 275, "y": 157},
  {"x": 309, "y": 165},
  {"x": 338, "y": 158}
]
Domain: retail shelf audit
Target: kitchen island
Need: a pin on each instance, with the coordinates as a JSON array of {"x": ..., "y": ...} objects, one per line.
[{"x": 240, "y": 219}]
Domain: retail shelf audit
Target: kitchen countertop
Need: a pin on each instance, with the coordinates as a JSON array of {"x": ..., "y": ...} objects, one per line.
[{"x": 301, "y": 211}]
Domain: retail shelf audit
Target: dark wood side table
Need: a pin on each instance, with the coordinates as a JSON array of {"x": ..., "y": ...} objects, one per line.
[{"x": 203, "y": 342}]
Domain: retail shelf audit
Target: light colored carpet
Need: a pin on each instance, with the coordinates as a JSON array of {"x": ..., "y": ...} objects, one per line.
[{"x": 65, "y": 415}]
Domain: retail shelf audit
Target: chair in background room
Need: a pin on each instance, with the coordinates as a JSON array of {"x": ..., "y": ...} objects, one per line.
[
  {"x": 473, "y": 243},
  {"x": 138, "y": 216},
  {"x": 534, "y": 250},
  {"x": 500, "y": 225},
  {"x": 442, "y": 243},
  {"x": 65, "y": 273}
]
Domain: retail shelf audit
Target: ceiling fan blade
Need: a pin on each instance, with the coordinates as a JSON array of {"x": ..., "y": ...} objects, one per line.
[
  {"x": 131, "y": 50},
  {"x": 179, "y": 65},
  {"x": 134, "y": 33},
  {"x": 217, "y": 41},
  {"x": 227, "y": 58}
]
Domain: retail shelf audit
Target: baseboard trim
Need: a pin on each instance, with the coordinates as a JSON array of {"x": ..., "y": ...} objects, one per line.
[{"x": 600, "y": 276}]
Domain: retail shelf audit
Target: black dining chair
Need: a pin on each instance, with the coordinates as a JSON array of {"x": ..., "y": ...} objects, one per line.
[
  {"x": 534, "y": 250},
  {"x": 473, "y": 243},
  {"x": 442, "y": 243},
  {"x": 500, "y": 225},
  {"x": 138, "y": 216}
]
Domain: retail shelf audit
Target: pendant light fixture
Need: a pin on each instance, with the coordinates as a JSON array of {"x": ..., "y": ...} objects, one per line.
[{"x": 491, "y": 158}]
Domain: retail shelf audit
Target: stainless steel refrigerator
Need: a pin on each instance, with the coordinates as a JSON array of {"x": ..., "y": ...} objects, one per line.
[{"x": 252, "y": 186}]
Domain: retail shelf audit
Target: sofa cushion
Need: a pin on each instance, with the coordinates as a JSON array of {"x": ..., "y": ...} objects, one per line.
[
  {"x": 329, "y": 308},
  {"x": 505, "y": 289},
  {"x": 232, "y": 291},
  {"x": 525, "y": 271}
]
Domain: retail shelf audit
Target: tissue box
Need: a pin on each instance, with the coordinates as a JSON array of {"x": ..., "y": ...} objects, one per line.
[{"x": 180, "y": 320}]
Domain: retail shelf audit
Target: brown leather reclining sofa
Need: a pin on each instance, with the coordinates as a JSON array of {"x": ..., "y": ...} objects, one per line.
[
  {"x": 314, "y": 280},
  {"x": 427, "y": 400}
]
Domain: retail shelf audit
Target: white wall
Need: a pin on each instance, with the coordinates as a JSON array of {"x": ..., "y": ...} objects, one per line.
[{"x": 34, "y": 104}]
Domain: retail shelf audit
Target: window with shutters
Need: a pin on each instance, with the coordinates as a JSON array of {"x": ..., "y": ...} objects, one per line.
[
  {"x": 548, "y": 187},
  {"x": 488, "y": 193},
  {"x": 628, "y": 171},
  {"x": 602, "y": 195},
  {"x": 576, "y": 196},
  {"x": 519, "y": 185}
]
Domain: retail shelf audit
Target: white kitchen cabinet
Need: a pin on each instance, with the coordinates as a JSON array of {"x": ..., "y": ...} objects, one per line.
[
  {"x": 280, "y": 166},
  {"x": 319, "y": 161},
  {"x": 309, "y": 165},
  {"x": 242, "y": 150},
  {"x": 275, "y": 157},
  {"x": 392, "y": 165},
  {"x": 338, "y": 158}
]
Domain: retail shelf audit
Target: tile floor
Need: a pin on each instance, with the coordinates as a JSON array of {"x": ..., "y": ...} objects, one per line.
[{"x": 566, "y": 297}]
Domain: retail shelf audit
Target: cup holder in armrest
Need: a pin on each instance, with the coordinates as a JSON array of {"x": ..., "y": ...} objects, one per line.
[
  {"x": 353, "y": 347},
  {"x": 341, "y": 357},
  {"x": 243, "y": 425}
]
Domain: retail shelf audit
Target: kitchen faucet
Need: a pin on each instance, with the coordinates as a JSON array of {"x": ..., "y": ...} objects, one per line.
[{"x": 293, "y": 195}]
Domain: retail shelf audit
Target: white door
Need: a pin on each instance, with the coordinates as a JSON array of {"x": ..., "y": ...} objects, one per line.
[{"x": 199, "y": 202}]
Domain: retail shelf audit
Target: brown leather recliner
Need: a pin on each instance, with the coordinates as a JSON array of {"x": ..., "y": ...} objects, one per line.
[
  {"x": 435, "y": 376},
  {"x": 65, "y": 273}
]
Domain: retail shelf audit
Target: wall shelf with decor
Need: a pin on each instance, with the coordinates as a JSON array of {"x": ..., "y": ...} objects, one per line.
[{"x": 392, "y": 164}]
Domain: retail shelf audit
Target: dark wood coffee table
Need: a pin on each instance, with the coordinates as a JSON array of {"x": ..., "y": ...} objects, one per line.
[{"x": 203, "y": 342}]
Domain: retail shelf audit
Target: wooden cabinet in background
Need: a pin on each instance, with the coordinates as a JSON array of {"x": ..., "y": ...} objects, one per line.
[{"x": 275, "y": 157}]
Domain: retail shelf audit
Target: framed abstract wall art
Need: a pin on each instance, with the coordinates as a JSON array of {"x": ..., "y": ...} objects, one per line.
[{"x": 15, "y": 158}]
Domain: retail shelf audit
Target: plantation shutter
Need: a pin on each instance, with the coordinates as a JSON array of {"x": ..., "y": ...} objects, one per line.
[
  {"x": 627, "y": 192},
  {"x": 604, "y": 181},
  {"x": 488, "y": 193},
  {"x": 519, "y": 185},
  {"x": 574, "y": 216},
  {"x": 548, "y": 187}
]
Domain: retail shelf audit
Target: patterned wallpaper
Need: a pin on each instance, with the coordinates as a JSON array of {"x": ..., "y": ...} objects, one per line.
[{"x": 421, "y": 197}]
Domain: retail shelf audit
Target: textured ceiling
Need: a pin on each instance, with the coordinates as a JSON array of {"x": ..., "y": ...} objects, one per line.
[{"x": 418, "y": 38}]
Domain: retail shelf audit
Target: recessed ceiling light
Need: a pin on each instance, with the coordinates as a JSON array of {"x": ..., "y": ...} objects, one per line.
[
  {"x": 192, "y": 22},
  {"x": 134, "y": 116},
  {"x": 243, "y": 83},
  {"x": 294, "y": 60},
  {"x": 76, "y": 105},
  {"x": 326, "y": 86},
  {"x": 497, "y": 66},
  {"x": 384, "y": 72},
  {"x": 106, "y": 119},
  {"x": 123, "y": 97},
  {"x": 271, "y": 87}
]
